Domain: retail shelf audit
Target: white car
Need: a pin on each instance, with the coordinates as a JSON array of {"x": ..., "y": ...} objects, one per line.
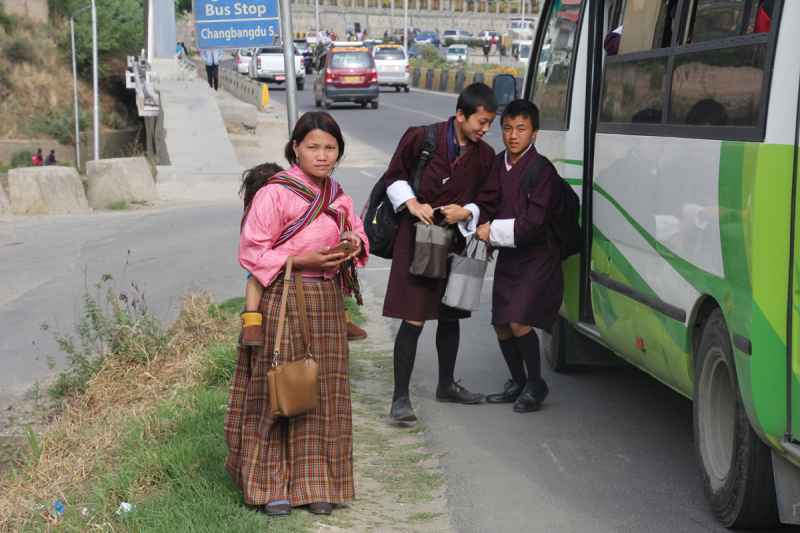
[
  {"x": 524, "y": 51},
  {"x": 457, "y": 52},
  {"x": 391, "y": 62},
  {"x": 243, "y": 57},
  {"x": 312, "y": 38},
  {"x": 487, "y": 35}
]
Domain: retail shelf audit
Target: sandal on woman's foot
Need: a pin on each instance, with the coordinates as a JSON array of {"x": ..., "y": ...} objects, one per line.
[
  {"x": 320, "y": 508},
  {"x": 252, "y": 328},
  {"x": 281, "y": 508}
]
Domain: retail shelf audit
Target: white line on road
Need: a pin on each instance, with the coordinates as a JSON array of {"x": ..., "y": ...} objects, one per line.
[
  {"x": 367, "y": 174},
  {"x": 553, "y": 457},
  {"x": 414, "y": 111}
]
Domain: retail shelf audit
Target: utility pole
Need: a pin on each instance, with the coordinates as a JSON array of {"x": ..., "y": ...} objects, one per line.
[
  {"x": 405, "y": 25},
  {"x": 391, "y": 31},
  {"x": 316, "y": 37},
  {"x": 75, "y": 85},
  {"x": 96, "y": 97},
  {"x": 288, "y": 62}
]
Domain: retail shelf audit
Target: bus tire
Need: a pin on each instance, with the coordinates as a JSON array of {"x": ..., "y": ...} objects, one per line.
[
  {"x": 735, "y": 465},
  {"x": 555, "y": 347}
]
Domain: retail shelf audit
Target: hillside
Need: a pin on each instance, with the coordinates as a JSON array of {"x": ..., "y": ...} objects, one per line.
[{"x": 36, "y": 84}]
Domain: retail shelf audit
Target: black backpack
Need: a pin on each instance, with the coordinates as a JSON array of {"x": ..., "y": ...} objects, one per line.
[
  {"x": 570, "y": 239},
  {"x": 381, "y": 223}
]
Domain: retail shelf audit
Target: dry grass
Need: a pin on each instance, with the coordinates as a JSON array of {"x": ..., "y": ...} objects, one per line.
[
  {"x": 88, "y": 430},
  {"x": 33, "y": 91}
]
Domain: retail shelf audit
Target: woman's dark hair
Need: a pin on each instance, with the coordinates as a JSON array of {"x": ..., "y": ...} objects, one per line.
[
  {"x": 521, "y": 108},
  {"x": 475, "y": 96},
  {"x": 313, "y": 120},
  {"x": 256, "y": 177}
]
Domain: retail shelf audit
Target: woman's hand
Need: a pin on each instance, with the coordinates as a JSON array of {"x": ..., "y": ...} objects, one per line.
[
  {"x": 424, "y": 212},
  {"x": 353, "y": 238},
  {"x": 482, "y": 233},
  {"x": 319, "y": 259},
  {"x": 454, "y": 213}
]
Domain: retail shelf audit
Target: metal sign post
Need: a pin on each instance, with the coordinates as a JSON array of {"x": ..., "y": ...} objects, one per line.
[
  {"x": 235, "y": 24},
  {"x": 288, "y": 62}
]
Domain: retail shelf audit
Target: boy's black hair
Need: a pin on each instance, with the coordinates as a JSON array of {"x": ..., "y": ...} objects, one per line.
[
  {"x": 475, "y": 96},
  {"x": 521, "y": 108},
  {"x": 256, "y": 177},
  {"x": 707, "y": 112}
]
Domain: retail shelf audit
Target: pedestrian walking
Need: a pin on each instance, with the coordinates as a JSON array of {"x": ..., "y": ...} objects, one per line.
[
  {"x": 50, "y": 160},
  {"x": 283, "y": 462},
  {"x": 460, "y": 182},
  {"x": 212, "y": 59},
  {"x": 528, "y": 281},
  {"x": 37, "y": 160}
]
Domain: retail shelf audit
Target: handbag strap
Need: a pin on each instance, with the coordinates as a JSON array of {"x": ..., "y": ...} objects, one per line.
[
  {"x": 287, "y": 278},
  {"x": 301, "y": 304}
]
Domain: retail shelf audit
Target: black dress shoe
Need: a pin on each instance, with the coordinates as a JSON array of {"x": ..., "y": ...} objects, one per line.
[
  {"x": 510, "y": 393},
  {"x": 279, "y": 509},
  {"x": 401, "y": 410},
  {"x": 532, "y": 397},
  {"x": 320, "y": 508},
  {"x": 455, "y": 393}
]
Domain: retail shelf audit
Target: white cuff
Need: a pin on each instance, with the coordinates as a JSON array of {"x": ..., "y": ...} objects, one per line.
[
  {"x": 468, "y": 228},
  {"x": 399, "y": 193},
  {"x": 501, "y": 233}
]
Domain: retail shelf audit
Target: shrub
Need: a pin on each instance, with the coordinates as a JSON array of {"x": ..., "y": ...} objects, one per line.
[
  {"x": 60, "y": 128},
  {"x": 429, "y": 53},
  {"x": 20, "y": 50},
  {"x": 22, "y": 158}
]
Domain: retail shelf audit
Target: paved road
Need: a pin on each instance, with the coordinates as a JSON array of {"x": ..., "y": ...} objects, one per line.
[{"x": 611, "y": 451}]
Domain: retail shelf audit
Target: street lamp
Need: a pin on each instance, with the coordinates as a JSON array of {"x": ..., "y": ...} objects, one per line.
[
  {"x": 75, "y": 84},
  {"x": 96, "y": 96}
]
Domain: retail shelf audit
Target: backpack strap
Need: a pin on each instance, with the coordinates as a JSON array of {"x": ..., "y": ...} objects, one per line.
[
  {"x": 428, "y": 147},
  {"x": 532, "y": 172}
]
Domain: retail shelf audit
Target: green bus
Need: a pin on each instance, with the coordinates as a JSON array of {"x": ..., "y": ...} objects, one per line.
[{"x": 677, "y": 123}]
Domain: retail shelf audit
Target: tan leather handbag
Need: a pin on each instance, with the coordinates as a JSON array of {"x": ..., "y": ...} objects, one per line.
[{"x": 293, "y": 387}]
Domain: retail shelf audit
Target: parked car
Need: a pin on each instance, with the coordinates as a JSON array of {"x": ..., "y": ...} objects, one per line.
[
  {"x": 416, "y": 50},
  {"x": 391, "y": 62},
  {"x": 308, "y": 54},
  {"x": 457, "y": 52},
  {"x": 312, "y": 38},
  {"x": 487, "y": 35},
  {"x": 267, "y": 65},
  {"x": 346, "y": 74},
  {"x": 456, "y": 35},
  {"x": 428, "y": 38},
  {"x": 524, "y": 51},
  {"x": 243, "y": 56}
]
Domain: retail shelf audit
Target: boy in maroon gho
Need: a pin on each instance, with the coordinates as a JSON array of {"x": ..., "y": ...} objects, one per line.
[
  {"x": 528, "y": 281},
  {"x": 461, "y": 181}
]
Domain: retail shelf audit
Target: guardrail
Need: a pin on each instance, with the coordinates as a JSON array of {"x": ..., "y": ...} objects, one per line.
[
  {"x": 185, "y": 68},
  {"x": 141, "y": 79},
  {"x": 452, "y": 81},
  {"x": 244, "y": 88}
]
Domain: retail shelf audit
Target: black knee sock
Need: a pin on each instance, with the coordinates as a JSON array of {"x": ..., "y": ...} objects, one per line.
[
  {"x": 513, "y": 357},
  {"x": 529, "y": 348},
  {"x": 447, "y": 337},
  {"x": 405, "y": 352}
]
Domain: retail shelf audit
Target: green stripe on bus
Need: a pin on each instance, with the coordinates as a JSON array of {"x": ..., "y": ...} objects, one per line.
[
  {"x": 576, "y": 162},
  {"x": 574, "y": 181}
]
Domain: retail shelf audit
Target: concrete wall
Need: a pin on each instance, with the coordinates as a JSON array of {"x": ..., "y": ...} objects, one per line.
[
  {"x": 452, "y": 81},
  {"x": 377, "y": 20},
  {"x": 35, "y": 9},
  {"x": 245, "y": 89},
  {"x": 121, "y": 143}
]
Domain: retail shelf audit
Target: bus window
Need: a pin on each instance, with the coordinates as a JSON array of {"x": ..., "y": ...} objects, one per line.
[
  {"x": 555, "y": 60},
  {"x": 718, "y": 87},
  {"x": 647, "y": 25},
  {"x": 634, "y": 91},
  {"x": 719, "y": 19}
]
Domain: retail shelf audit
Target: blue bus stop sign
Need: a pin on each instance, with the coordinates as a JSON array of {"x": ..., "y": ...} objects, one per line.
[{"x": 235, "y": 23}]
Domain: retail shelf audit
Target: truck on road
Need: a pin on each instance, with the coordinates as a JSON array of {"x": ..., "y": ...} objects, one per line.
[{"x": 267, "y": 65}]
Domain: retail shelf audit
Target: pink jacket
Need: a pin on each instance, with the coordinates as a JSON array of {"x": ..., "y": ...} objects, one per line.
[{"x": 274, "y": 208}]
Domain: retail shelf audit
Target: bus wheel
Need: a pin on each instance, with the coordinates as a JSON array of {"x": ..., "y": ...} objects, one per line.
[
  {"x": 555, "y": 347},
  {"x": 735, "y": 465}
]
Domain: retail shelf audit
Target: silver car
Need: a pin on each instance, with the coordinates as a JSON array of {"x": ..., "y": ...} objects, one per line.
[
  {"x": 391, "y": 62},
  {"x": 243, "y": 57}
]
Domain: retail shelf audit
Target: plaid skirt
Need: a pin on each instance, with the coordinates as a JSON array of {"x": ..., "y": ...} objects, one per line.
[{"x": 306, "y": 458}]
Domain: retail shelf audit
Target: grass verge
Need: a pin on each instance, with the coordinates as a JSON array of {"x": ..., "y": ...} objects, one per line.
[{"x": 149, "y": 432}]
